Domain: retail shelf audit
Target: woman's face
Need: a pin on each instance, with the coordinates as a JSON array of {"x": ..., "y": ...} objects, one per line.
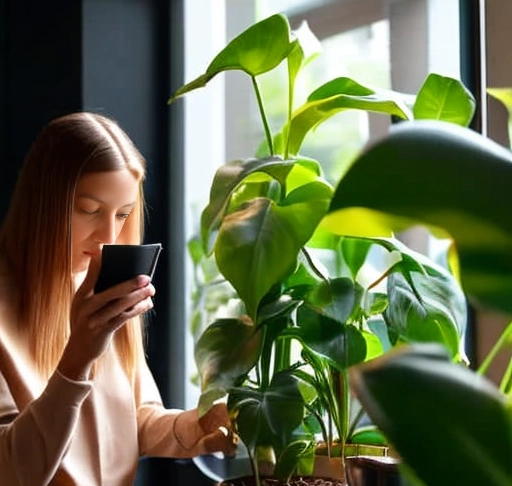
[{"x": 103, "y": 201}]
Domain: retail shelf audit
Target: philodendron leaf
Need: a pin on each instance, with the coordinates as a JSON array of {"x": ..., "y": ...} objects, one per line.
[
  {"x": 338, "y": 95},
  {"x": 229, "y": 177},
  {"x": 444, "y": 176},
  {"x": 268, "y": 417},
  {"x": 425, "y": 301},
  {"x": 355, "y": 252},
  {"x": 342, "y": 345},
  {"x": 226, "y": 351},
  {"x": 444, "y": 98},
  {"x": 257, "y": 50},
  {"x": 449, "y": 425},
  {"x": 337, "y": 298},
  {"x": 433, "y": 312},
  {"x": 258, "y": 245}
]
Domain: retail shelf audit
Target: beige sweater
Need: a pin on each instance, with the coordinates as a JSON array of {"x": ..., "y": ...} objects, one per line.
[{"x": 89, "y": 433}]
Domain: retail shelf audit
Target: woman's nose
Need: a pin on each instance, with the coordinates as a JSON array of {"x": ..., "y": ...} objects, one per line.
[{"x": 106, "y": 231}]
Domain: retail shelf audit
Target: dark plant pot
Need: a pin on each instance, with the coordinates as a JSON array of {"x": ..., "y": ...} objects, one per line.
[{"x": 373, "y": 471}]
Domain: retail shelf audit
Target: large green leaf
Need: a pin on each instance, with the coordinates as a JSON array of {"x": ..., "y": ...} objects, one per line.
[
  {"x": 229, "y": 177},
  {"x": 341, "y": 345},
  {"x": 258, "y": 245},
  {"x": 450, "y": 425},
  {"x": 257, "y": 50},
  {"x": 337, "y": 298},
  {"x": 226, "y": 351},
  {"x": 452, "y": 179},
  {"x": 444, "y": 98},
  {"x": 268, "y": 417},
  {"x": 226, "y": 180},
  {"x": 430, "y": 313},
  {"x": 338, "y": 95}
]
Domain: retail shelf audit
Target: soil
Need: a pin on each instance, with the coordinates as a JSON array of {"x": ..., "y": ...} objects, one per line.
[{"x": 295, "y": 481}]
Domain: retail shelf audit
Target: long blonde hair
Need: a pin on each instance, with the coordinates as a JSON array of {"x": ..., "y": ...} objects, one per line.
[{"x": 36, "y": 234}]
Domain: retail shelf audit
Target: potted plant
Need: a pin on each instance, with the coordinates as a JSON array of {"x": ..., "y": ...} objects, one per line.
[
  {"x": 455, "y": 426},
  {"x": 310, "y": 302}
]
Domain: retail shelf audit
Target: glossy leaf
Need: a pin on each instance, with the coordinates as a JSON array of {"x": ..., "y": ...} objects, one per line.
[
  {"x": 444, "y": 98},
  {"x": 449, "y": 178},
  {"x": 226, "y": 351},
  {"x": 258, "y": 245},
  {"x": 336, "y": 298},
  {"x": 429, "y": 313},
  {"x": 257, "y": 50},
  {"x": 268, "y": 417},
  {"x": 229, "y": 177},
  {"x": 341, "y": 345},
  {"x": 450, "y": 425},
  {"x": 355, "y": 252},
  {"x": 339, "y": 95}
]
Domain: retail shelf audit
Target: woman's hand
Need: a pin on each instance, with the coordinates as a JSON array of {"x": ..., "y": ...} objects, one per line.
[
  {"x": 96, "y": 317},
  {"x": 210, "y": 433}
]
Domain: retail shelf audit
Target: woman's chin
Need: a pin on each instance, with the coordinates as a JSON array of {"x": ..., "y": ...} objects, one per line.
[{"x": 81, "y": 264}]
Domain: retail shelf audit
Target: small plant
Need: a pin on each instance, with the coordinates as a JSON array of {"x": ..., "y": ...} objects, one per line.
[{"x": 311, "y": 300}]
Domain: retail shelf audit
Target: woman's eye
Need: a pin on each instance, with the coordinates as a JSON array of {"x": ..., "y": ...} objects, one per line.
[
  {"x": 90, "y": 213},
  {"x": 123, "y": 215}
]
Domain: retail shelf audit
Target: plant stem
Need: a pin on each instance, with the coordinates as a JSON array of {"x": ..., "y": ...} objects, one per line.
[
  {"x": 264, "y": 120},
  {"x": 286, "y": 131},
  {"x": 312, "y": 265},
  {"x": 500, "y": 343},
  {"x": 506, "y": 381}
]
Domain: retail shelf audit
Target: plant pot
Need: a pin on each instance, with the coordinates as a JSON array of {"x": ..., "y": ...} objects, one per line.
[
  {"x": 294, "y": 481},
  {"x": 333, "y": 466},
  {"x": 373, "y": 471}
]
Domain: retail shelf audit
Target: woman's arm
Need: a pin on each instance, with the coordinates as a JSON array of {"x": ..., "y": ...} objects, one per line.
[
  {"x": 178, "y": 433},
  {"x": 34, "y": 441}
]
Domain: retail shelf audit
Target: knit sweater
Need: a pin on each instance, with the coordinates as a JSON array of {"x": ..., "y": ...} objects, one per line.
[{"x": 61, "y": 432}]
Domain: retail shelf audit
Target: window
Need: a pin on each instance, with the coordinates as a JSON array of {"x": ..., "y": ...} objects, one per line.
[{"x": 385, "y": 43}]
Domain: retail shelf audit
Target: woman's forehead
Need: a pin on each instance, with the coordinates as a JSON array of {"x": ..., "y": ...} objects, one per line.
[{"x": 117, "y": 188}]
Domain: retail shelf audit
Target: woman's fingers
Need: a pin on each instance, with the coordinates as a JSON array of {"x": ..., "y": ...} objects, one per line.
[{"x": 119, "y": 311}]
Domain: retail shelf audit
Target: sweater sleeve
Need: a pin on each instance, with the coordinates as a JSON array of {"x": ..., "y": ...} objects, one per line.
[
  {"x": 174, "y": 432},
  {"x": 41, "y": 432}
]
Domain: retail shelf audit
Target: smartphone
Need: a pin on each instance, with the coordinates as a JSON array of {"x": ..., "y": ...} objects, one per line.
[{"x": 123, "y": 262}]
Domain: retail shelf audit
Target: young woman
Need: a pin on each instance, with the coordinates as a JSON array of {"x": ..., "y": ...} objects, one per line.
[{"x": 78, "y": 404}]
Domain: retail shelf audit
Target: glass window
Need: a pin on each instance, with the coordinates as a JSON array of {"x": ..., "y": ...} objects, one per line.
[{"x": 381, "y": 43}]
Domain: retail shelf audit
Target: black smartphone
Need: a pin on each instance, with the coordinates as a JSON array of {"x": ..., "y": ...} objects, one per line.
[{"x": 123, "y": 262}]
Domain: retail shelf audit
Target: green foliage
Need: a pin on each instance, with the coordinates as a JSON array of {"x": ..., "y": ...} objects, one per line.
[
  {"x": 454, "y": 427},
  {"x": 461, "y": 193},
  {"x": 314, "y": 298}
]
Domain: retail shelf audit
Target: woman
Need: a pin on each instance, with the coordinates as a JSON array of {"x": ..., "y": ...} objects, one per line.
[{"x": 78, "y": 404}]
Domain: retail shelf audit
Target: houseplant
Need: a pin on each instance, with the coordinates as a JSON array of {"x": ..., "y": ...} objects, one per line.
[
  {"x": 471, "y": 416},
  {"x": 308, "y": 305}
]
